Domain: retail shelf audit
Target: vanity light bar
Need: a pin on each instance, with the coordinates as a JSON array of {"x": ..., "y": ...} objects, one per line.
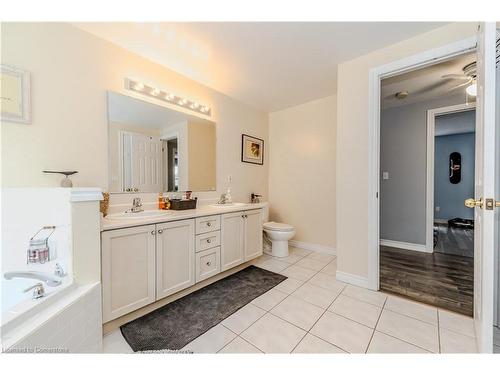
[{"x": 167, "y": 97}]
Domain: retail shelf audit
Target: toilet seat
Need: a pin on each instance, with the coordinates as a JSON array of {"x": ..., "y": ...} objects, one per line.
[{"x": 279, "y": 227}]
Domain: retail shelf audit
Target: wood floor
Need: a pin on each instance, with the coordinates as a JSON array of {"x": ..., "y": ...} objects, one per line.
[{"x": 438, "y": 279}]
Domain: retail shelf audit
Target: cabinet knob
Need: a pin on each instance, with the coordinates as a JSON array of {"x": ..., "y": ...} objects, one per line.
[
  {"x": 209, "y": 224},
  {"x": 160, "y": 231},
  {"x": 209, "y": 263},
  {"x": 136, "y": 190},
  {"x": 153, "y": 232},
  {"x": 209, "y": 240}
]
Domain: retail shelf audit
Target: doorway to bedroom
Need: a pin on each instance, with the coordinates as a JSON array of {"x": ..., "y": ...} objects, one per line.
[{"x": 427, "y": 156}]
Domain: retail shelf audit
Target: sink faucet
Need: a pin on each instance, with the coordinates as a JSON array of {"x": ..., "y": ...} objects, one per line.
[
  {"x": 136, "y": 205},
  {"x": 222, "y": 199}
]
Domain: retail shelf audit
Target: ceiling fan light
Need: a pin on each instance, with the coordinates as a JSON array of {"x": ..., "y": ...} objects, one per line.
[{"x": 472, "y": 89}]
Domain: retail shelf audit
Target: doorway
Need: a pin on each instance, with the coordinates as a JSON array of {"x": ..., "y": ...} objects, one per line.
[{"x": 427, "y": 124}]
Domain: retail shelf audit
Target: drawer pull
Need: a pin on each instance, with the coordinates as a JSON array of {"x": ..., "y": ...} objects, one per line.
[
  {"x": 152, "y": 232},
  {"x": 209, "y": 224},
  {"x": 209, "y": 263},
  {"x": 160, "y": 231},
  {"x": 209, "y": 240}
]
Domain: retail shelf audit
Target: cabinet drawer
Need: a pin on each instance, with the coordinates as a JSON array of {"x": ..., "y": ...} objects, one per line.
[
  {"x": 207, "y": 224},
  {"x": 207, "y": 240},
  {"x": 207, "y": 263}
]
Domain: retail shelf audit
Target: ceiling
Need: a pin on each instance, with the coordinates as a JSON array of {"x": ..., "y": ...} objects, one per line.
[
  {"x": 270, "y": 66},
  {"x": 426, "y": 84},
  {"x": 127, "y": 110}
]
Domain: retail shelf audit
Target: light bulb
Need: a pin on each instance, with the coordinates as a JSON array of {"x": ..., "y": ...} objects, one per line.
[
  {"x": 155, "y": 92},
  {"x": 169, "y": 97},
  {"x": 139, "y": 86},
  {"x": 472, "y": 89},
  {"x": 183, "y": 101}
]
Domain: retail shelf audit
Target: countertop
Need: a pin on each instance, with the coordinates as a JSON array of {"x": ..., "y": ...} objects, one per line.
[{"x": 173, "y": 215}]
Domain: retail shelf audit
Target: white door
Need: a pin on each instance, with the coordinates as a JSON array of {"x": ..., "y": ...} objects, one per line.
[
  {"x": 175, "y": 260},
  {"x": 146, "y": 163},
  {"x": 484, "y": 233},
  {"x": 128, "y": 270},
  {"x": 232, "y": 241},
  {"x": 253, "y": 234}
]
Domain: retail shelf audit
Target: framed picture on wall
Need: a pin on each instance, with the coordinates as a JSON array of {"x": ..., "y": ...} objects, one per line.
[
  {"x": 15, "y": 95},
  {"x": 252, "y": 149}
]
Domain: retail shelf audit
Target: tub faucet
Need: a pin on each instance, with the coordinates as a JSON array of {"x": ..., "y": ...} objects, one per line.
[
  {"x": 38, "y": 290},
  {"x": 47, "y": 278}
]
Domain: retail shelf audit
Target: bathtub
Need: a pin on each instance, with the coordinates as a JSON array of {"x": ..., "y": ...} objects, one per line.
[{"x": 67, "y": 319}]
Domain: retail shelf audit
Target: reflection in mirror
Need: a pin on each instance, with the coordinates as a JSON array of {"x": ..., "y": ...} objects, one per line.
[{"x": 156, "y": 149}]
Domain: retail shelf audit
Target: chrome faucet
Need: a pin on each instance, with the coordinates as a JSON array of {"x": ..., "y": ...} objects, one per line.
[
  {"x": 136, "y": 205},
  {"x": 38, "y": 290},
  {"x": 45, "y": 277},
  {"x": 222, "y": 199}
]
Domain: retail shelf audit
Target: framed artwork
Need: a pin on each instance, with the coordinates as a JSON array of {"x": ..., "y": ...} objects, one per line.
[
  {"x": 252, "y": 149},
  {"x": 15, "y": 95}
]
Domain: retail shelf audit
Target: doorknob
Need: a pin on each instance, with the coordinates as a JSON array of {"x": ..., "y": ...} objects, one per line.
[{"x": 471, "y": 203}]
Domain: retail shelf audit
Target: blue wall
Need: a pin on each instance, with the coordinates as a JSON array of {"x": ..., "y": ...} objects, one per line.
[{"x": 450, "y": 197}]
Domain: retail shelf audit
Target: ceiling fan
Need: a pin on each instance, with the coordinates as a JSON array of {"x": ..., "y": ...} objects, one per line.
[{"x": 466, "y": 79}]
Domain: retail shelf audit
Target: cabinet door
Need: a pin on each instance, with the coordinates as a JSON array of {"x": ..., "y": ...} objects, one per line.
[
  {"x": 253, "y": 234},
  {"x": 174, "y": 257},
  {"x": 232, "y": 241},
  {"x": 128, "y": 270}
]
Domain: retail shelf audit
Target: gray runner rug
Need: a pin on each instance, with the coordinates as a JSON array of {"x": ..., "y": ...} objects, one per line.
[{"x": 175, "y": 325}]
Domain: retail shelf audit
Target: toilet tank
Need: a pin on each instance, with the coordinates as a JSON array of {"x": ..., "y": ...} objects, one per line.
[{"x": 265, "y": 212}]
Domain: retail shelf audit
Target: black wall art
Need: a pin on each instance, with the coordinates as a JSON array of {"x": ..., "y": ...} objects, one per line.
[{"x": 455, "y": 167}]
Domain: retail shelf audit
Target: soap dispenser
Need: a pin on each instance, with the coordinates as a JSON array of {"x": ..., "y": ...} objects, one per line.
[{"x": 229, "y": 199}]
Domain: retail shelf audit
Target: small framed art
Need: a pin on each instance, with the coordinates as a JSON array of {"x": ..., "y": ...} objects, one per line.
[
  {"x": 15, "y": 95},
  {"x": 252, "y": 149}
]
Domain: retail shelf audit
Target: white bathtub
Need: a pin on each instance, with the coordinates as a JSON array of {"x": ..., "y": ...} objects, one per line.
[
  {"x": 16, "y": 304},
  {"x": 67, "y": 319}
]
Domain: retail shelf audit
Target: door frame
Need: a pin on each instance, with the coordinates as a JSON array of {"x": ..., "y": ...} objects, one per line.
[
  {"x": 376, "y": 75},
  {"x": 431, "y": 130}
]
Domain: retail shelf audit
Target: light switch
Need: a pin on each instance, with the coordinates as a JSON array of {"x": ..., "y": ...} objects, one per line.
[
  {"x": 385, "y": 175},
  {"x": 437, "y": 208}
]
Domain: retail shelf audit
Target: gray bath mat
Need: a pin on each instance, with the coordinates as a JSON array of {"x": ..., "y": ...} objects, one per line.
[{"x": 178, "y": 323}]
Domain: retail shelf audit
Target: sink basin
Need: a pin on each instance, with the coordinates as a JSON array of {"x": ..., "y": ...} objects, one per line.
[
  {"x": 148, "y": 214},
  {"x": 234, "y": 204}
]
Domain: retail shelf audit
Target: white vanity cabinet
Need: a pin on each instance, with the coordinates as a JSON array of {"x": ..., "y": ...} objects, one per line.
[
  {"x": 241, "y": 237},
  {"x": 146, "y": 263},
  {"x": 128, "y": 270},
  {"x": 253, "y": 234},
  {"x": 175, "y": 262}
]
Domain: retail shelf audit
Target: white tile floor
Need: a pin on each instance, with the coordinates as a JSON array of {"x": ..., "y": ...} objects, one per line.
[{"x": 312, "y": 312}]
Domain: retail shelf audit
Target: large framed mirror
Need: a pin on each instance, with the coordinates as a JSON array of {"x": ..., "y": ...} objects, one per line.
[{"x": 154, "y": 149}]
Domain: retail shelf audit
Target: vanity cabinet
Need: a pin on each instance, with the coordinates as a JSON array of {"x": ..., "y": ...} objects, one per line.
[
  {"x": 253, "y": 234},
  {"x": 128, "y": 270},
  {"x": 175, "y": 262},
  {"x": 146, "y": 263},
  {"x": 241, "y": 237}
]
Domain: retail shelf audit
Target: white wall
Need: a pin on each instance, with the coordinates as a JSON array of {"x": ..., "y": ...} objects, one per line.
[
  {"x": 352, "y": 140},
  {"x": 302, "y": 170},
  {"x": 71, "y": 71}
]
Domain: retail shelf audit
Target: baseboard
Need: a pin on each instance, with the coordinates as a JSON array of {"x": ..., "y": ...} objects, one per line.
[
  {"x": 405, "y": 245},
  {"x": 349, "y": 278},
  {"x": 313, "y": 247}
]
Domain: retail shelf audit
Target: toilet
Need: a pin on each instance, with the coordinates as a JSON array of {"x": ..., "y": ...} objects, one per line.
[{"x": 278, "y": 234}]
